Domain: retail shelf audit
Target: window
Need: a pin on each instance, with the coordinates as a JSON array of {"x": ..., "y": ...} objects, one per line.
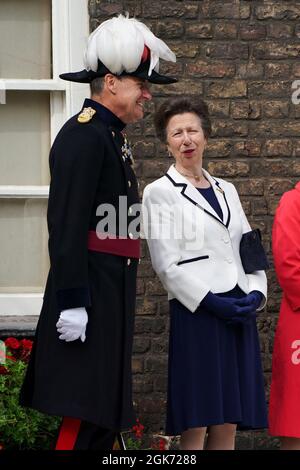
[{"x": 39, "y": 39}]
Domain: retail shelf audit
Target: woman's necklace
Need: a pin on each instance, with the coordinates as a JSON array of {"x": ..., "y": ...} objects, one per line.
[{"x": 196, "y": 177}]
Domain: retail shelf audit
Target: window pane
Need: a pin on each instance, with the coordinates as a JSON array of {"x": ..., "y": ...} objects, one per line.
[
  {"x": 25, "y": 138},
  {"x": 25, "y": 39},
  {"x": 23, "y": 240}
]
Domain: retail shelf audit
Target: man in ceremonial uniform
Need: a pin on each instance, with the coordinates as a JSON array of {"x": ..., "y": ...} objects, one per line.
[{"x": 80, "y": 366}]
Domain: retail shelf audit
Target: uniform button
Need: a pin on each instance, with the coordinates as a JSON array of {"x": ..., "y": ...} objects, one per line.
[
  {"x": 229, "y": 260},
  {"x": 128, "y": 261},
  {"x": 225, "y": 240},
  {"x": 129, "y": 184},
  {"x": 130, "y": 235}
]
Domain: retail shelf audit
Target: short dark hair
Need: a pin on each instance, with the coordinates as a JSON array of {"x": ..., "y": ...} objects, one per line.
[{"x": 179, "y": 106}]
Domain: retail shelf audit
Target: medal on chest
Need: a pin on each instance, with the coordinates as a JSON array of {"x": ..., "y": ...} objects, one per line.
[{"x": 126, "y": 150}]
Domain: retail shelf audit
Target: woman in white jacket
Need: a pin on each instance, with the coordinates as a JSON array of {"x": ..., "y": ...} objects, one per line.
[{"x": 193, "y": 223}]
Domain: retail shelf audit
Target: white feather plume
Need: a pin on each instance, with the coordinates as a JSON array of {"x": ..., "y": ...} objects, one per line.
[{"x": 119, "y": 43}]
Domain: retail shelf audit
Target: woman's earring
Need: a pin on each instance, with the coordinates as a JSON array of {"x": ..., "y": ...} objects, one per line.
[{"x": 169, "y": 153}]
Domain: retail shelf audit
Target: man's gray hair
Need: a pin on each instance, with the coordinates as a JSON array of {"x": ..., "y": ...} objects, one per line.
[{"x": 97, "y": 86}]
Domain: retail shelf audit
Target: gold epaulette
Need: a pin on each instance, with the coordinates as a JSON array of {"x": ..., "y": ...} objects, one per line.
[{"x": 86, "y": 115}]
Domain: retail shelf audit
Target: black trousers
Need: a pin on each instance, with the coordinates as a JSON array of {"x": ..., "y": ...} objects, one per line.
[
  {"x": 92, "y": 437},
  {"x": 75, "y": 434}
]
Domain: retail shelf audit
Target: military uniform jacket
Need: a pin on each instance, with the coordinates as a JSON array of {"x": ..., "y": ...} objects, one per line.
[{"x": 90, "y": 380}]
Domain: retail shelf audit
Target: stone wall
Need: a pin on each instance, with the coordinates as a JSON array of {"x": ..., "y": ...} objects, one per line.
[{"x": 242, "y": 58}]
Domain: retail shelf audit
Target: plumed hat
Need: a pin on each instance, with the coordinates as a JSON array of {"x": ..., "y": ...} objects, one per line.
[{"x": 123, "y": 46}]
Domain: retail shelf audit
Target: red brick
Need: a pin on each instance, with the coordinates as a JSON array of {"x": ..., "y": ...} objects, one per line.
[
  {"x": 227, "y": 51},
  {"x": 154, "y": 168},
  {"x": 250, "y": 187},
  {"x": 171, "y": 8},
  {"x": 226, "y": 30},
  {"x": 278, "y": 186},
  {"x": 249, "y": 70},
  {"x": 226, "y": 10},
  {"x": 152, "y": 9},
  {"x": 277, "y": 129},
  {"x": 277, "y": 70},
  {"x": 250, "y": 32},
  {"x": 280, "y": 30},
  {"x": 169, "y": 29},
  {"x": 227, "y": 89},
  {"x": 269, "y": 88},
  {"x": 275, "y": 50},
  {"x": 199, "y": 30},
  {"x": 218, "y": 108},
  {"x": 226, "y": 128},
  {"x": 277, "y": 148},
  {"x": 183, "y": 87},
  {"x": 230, "y": 128},
  {"x": 296, "y": 145},
  {"x": 202, "y": 68},
  {"x": 245, "y": 110},
  {"x": 259, "y": 206},
  {"x": 218, "y": 149},
  {"x": 224, "y": 169},
  {"x": 278, "y": 11},
  {"x": 248, "y": 148},
  {"x": 184, "y": 49},
  {"x": 275, "y": 109}
]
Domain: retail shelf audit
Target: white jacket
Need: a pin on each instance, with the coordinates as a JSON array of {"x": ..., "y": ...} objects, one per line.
[{"x": 210, "y": 261}]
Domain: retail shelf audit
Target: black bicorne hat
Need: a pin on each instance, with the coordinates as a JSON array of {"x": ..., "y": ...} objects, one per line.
[
  {"x": 123, "y": 46},
  {"x": 87, "y": 76}
]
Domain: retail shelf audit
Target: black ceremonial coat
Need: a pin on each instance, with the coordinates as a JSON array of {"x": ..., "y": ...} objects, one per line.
[{"x": 90, "y": 380}]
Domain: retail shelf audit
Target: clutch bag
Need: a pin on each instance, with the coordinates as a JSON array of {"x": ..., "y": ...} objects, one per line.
[{"x": 252, "y": 253}]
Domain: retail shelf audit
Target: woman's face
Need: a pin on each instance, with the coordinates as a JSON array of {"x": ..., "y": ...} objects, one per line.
[{"x": 185, "y": 139}]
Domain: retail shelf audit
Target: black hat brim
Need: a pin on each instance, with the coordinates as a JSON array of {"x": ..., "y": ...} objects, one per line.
[
  {"x": 87, "y": 76},
  {"x": 155, "y": 77}
]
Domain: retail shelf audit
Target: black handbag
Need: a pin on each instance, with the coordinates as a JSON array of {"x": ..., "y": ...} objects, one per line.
[{"x": 252, "y": 253}]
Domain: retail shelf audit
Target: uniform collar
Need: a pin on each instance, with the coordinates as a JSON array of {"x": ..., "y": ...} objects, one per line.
[{"x": 107, "y": 116}]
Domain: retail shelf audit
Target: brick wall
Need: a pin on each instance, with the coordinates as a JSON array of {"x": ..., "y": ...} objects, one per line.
[{"x": 241, "y": 57}]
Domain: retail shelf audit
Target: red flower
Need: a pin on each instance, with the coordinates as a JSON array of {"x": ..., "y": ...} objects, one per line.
[
  {"x": 159, "y": 444},
  {"x": 12, "y": 343},
  {"x": 138, "y": 429},
  {"x": 162, "y": 444},
  {"x": 26, "y": 344}
]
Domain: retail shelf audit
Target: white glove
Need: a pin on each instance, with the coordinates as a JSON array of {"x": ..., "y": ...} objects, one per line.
[{"x": 72, "y": 324}]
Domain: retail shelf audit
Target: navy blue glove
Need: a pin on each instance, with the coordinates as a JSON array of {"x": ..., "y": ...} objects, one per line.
[
  {"x": 226, "y": 308},
  {"x": 253, "y": 299}
]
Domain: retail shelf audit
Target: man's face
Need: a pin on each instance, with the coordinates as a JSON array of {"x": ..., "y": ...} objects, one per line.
[{"x": 131, "y": 94}]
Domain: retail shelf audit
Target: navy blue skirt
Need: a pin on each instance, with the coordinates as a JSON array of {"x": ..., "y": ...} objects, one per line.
[{"x": 215, "y": 374}]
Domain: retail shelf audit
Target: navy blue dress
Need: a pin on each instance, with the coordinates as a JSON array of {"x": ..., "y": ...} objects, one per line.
[{"x": 215, "y": 374}]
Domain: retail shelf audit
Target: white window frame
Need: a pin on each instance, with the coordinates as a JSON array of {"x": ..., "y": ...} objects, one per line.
[{"x": 70, "y": 29}]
